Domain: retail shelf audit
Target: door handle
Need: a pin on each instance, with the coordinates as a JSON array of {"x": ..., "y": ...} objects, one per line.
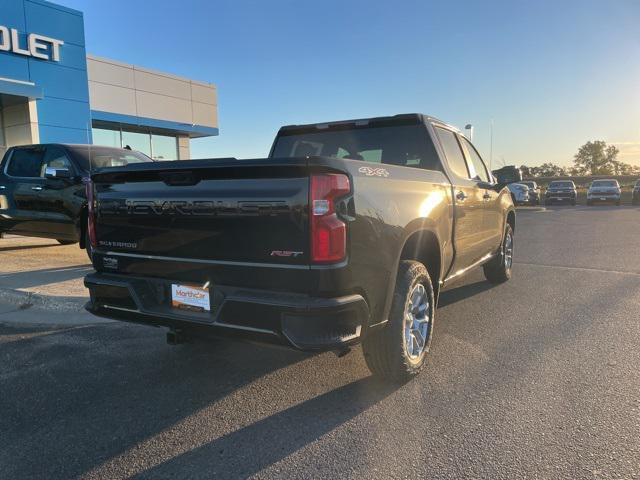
[
  {"x": 37, "y": 189},
  {"x": 487, "y": 196},
  {"x": 461, "y": 195}
]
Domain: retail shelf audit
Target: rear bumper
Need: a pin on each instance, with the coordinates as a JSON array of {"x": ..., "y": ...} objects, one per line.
[
  {"x": 300, "y": 321},
  {"x": 603, "y": 198}
]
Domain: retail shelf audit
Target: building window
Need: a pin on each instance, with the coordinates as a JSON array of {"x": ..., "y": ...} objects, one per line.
[
  {"x": 158, "y": 147},
  {"x": 164, "y": 147},
  {"x": 137, "y": 141},
  {"x": 106, "y": 138}
]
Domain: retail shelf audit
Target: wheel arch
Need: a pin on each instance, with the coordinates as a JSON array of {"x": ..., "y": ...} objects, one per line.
[
  {"x": 511, "y": 219},
  {"x": 424, "y": 246}
]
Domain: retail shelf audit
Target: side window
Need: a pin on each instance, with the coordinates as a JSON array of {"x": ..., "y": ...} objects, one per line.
[
  {"x": 478, "y": 165},
  {"x": 452, "y": 151},
  {"x": 56, "y": 158},
  {"x": 25, "y": 162}
]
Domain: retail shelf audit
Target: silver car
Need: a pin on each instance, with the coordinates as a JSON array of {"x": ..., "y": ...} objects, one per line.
[{"x": 604, "y": 191}]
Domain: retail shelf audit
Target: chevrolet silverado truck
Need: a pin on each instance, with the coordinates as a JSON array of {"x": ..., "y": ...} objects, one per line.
[
  {"x": 346, "y": 233},
  {"x": 42, "y": 189}
]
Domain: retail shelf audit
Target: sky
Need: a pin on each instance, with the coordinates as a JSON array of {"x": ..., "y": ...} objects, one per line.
[{"x": 549, "y": 75}]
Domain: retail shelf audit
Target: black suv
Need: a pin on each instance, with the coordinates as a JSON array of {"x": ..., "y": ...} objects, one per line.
[
  {"x": 561, "y": 191},
  {"x": 42, "y": 188}
]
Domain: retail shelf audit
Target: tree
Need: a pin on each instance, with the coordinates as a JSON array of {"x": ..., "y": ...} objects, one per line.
[
  {"x": 598, "y": 158},
  {"x": 548, "y": 170}
]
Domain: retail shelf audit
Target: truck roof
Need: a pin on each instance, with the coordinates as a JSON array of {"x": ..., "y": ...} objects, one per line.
[{"x": 400, "y": 119}]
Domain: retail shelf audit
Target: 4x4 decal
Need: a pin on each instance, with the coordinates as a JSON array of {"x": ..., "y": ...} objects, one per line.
[{"x": 374, "y": 172}]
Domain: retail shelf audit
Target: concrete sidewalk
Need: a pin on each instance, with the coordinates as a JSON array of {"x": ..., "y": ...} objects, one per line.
[{"x": 43, "y": 273}]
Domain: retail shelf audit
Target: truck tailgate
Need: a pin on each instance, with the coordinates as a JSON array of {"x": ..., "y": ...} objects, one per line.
[{"x": 227, "y": 211}]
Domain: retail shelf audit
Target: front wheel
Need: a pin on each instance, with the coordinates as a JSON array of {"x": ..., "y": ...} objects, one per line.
[
  {"x": 618, "y": 203},
  {"x": 498, "y": 270},
  {"x": 398, "y": 351}
]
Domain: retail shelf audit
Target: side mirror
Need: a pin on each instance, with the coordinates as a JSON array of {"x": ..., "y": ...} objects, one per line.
[
  {"x": 486, "y": 185},
  {"x": 51, "y": 172}
]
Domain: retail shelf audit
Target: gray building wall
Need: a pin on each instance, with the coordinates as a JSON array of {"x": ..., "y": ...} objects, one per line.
[{"x": 134, "y": 91}]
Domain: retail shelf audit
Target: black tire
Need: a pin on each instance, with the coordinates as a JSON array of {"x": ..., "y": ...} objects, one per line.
[
  {"x": 618, "y": 203},
  {"x": 548, "y": 202},
  {"x": 589, "y": 203},
  {"x": 385, "y": 350},
  {"x": 498, "y": 270},
  {"x": 87, "y": 245},
  {"x": 66, "y": 242}
]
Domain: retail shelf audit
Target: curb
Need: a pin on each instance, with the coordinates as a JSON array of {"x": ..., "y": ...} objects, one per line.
[
  {"x": 531, "y": 209},
  {"x": 30, "y": 299}
]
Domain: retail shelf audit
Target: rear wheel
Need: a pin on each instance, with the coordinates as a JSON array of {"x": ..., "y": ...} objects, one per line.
[
  {"x": 66, "y": 242},
  {"x": 498, "y": 270},
  {"x": 398, "y": 351},
  {"x": 618, "y": 203}
]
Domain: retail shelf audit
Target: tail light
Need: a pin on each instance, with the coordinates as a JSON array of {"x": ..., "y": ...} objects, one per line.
[
  {"x": 91, "y": 214},
  {"x": 328, "y": 232}
]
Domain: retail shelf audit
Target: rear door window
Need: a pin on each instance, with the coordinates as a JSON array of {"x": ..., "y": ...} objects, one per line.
[
  {"x": 453, "y": 152},
  {"x": 478, "y": 164},
  {"x": 26, "y": 162}
]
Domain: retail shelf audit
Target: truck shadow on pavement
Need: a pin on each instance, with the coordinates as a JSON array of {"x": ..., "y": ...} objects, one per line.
[
  {"x": 27, "y": 247},
  {"x": 455, "y": 294},
  {"x": 94, "y": 399},
  {"x": 45, "y": 276}
]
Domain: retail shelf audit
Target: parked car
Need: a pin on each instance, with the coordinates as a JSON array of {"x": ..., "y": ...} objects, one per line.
[
  {"x": 635, "y": 196},
  {"x": 534, "y": 192},
  {"x": 345, "y": 234},
  {"x": 604, "y": 191},
  {"x": 519, "y": 193},
  {"x": 42, "y": 188},
  {"x": 561, "y": 191}
]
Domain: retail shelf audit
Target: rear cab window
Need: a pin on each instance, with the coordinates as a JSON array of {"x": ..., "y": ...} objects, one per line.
[{"x": 402, "y": 145}]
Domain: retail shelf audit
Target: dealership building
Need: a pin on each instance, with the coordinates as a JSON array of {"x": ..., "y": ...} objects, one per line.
[{"x": 51, "y": 91}]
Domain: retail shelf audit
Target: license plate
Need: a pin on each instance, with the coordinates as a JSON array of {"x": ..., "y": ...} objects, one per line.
[
  {"x": 603, "y": 198},
  {"x": 188, "y": 297},
  {"x": 558, "y": 198}
]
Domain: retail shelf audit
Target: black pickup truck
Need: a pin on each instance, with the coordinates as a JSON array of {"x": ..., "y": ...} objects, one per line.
[
  {"x": 42, "y": 188},
  {"x": 345, "y": 234}
]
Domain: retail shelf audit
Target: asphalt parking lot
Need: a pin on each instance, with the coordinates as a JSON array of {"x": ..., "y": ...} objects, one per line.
[{"x": 535, "y": 378}]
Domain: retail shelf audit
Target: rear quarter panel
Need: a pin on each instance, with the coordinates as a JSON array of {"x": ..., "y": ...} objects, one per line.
[{"x": 391, "y": 203}]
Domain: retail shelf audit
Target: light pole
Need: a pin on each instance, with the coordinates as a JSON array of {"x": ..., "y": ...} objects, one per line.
[{"x": 469, "y": 127}]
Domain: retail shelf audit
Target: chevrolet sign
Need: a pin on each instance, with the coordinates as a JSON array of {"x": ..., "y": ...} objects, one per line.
[{"x": 38, "y": 46}]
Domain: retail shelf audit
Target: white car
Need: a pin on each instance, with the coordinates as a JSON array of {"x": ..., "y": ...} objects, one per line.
[
  {"x": 604, "y": 191},
  {"x": 519, "y": 193}
]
